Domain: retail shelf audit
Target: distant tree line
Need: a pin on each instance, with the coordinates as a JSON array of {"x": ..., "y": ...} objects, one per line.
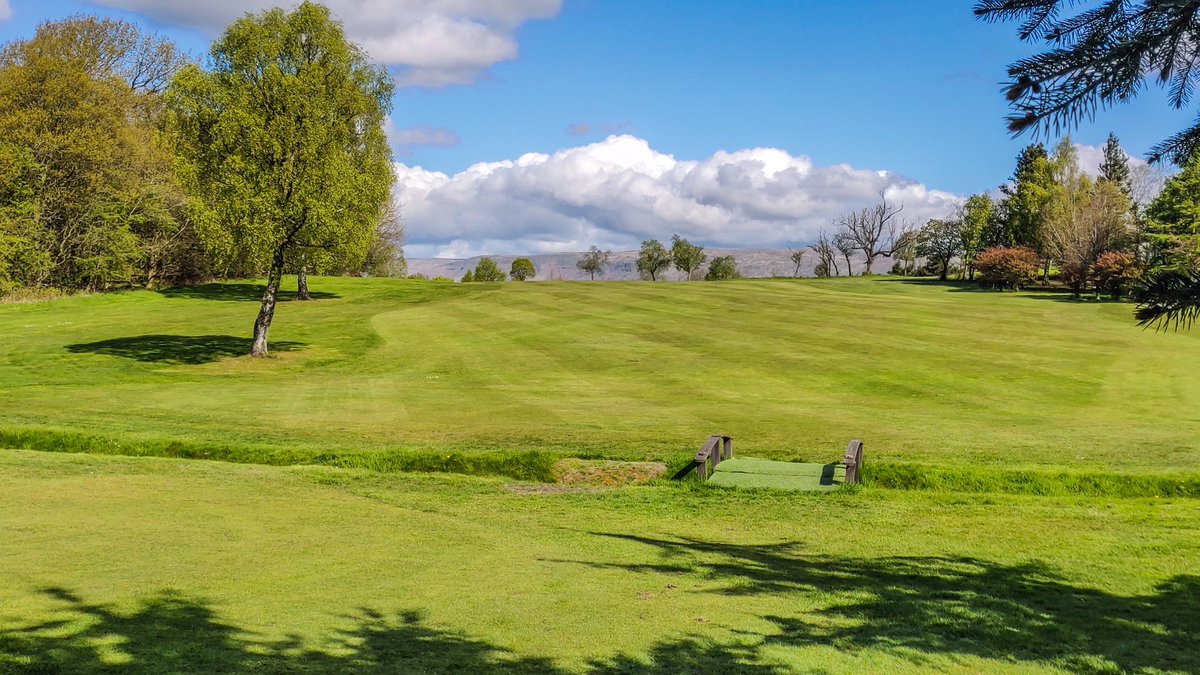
[{"x": 123, "y": 164}]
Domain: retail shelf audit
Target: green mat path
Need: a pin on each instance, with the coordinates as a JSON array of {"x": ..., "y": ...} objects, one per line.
[{"x": 765, "y": 473}]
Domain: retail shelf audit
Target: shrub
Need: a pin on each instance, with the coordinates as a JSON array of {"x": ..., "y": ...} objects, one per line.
[
  {"x": 487, "y": 270},
  {"x": 522, "y": 269},
  {"x": 1007, "y": 266},
  {"x": 721, "y": 268},
  {"x": 1117, "y": 271}
]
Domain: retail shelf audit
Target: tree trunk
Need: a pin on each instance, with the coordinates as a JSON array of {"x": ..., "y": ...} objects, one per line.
[
  {"x": 945, "y": 271},
  {"x": 267, "y": 312},
  {"x": 867, "y": 269},
  {"x": 849, "y": 269},
  {"x": 302, "y": 283}
]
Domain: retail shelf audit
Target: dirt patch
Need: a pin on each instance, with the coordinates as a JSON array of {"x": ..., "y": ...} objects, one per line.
[
  {"x": 551, "y": 489},
  {"x": 606, "y": 473}
]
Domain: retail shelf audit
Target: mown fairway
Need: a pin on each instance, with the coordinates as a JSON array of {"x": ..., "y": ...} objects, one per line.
[{"x": 791, "y": 369}]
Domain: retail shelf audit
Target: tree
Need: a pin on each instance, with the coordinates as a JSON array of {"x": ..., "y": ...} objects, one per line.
[
  {"x": 468, "y": 277},
  {"x": 282, "y": 141},
  {"x": 722, "y": 268},
  {"x": 1116, "y": 272},
  {"x": 1173, "y": 218},
  {"x": 1084, "y": 219},
  {"x": 797, "y": 258},
  {"x": 1115, "y": 167},
  {"x": 1007, "y": 266},
  {"x": 522, "y": 269},
  {"x": 827, "y": 265},
  {"x": 1099, "y": 55},
  {"x": 873, "y": 230},
  {"x": 487, "y": 270},
  {"x": 88, "y": 198},
  {"x": 843, "y": 243},
  {"x": 1025, "y": 199},
  {"x": 686, "y": 256},
  {"x": 978, "y": 219},
  {"x": 653, "y": 259},
  {"x": 941, "y": 242},
  {"x": 904, "y": 253},
  {"x": 594, "y": 261},
  {"x": 385, "y": 254}
]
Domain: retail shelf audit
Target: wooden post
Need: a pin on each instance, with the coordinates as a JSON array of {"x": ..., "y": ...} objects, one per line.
[
  {"x": 727, "y": 451},
  {"x": 853, "y": 461}
]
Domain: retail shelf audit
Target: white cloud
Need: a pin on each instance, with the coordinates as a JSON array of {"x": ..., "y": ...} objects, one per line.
[
  {"x": 619, "y": 191},
  {"x": 5, "y": 10},
  {"x": 430, "y": 43}
]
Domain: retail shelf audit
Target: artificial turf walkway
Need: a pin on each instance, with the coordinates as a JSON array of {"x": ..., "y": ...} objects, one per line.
[{"x": 765, "y": 473}]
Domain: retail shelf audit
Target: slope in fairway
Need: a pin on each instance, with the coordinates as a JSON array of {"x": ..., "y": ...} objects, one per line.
[
  {"x": 790, "y": 369},
  {"x": 142, "y": 565}
]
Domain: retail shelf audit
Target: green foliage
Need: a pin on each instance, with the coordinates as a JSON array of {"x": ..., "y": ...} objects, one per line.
[
  {"x": 1115, "y": 167},
  {"x": 1098, "y": 54},
  {"x": 87, "y": 196},
  {"x": 1007, "y": 266},
  {"x": 468, "y": 277},
  {"x": 487, "y": 270},
  {"x": 282, "y": 141},
  {"x": 686, "y": 256},
  {"x": 1169, "y": 297},
  {"x": 1026, "y": 198},
  {"x": 593, "y": 262},
  {"x": 1173, "y": 218},
  {"x": 980, "y": 228},
  {"x": 653, "y": 259},
  {"x": 941, "y": 242},
  {"x": 722, "y": 268},
  {"x": 522, "y": 269}
]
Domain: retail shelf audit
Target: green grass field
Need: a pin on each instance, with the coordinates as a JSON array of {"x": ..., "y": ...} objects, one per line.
[
  {"x": 791, "y": 369},
  {"x": 1055, "y": 529}
]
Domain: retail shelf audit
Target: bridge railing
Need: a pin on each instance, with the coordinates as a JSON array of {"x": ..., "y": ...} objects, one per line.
[{"x": 714, "y": 451}]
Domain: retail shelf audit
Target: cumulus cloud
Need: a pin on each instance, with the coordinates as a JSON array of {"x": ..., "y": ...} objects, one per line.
[
  {"x": 620, "y": 191},
  {"x": 431, "y": 43}
]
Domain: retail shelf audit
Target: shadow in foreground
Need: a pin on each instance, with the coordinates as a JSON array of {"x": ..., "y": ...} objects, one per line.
[
  {"x": 919, "y": 606},
  {"x": 237, "y": 292},
  {"x": 177, "y": 349},
  {"x": 174, "y": 633}
]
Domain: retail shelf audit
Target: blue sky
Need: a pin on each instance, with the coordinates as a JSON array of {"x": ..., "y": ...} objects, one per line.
[{"x": 911, "y": 89}]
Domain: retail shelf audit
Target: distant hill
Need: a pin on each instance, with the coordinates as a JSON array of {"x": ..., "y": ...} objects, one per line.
[{"x": 753, "y": 263}]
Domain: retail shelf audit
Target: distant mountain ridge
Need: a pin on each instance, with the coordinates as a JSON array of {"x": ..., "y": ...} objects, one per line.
[{"x": 755, "y": 263}]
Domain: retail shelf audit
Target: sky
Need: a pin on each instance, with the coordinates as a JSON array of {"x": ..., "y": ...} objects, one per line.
[{"x": 538, "y": 126}]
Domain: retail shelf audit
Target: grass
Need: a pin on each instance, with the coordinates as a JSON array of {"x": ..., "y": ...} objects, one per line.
[
  {"x": 152, "y": 565},
  {"x": 1029, "y": 502},
  {"x": 928, "y": 375}
]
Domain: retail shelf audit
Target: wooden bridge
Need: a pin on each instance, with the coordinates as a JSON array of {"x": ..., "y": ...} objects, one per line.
[{"x": 715, "y": 463}]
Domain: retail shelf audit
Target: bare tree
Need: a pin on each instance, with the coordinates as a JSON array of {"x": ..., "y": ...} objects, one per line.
[
  {"x": 844, "y": 243},
  {"x": 827, "y": 266},
  {"x": 873, "y": 229},
  {"x": 797, "y": 257}
]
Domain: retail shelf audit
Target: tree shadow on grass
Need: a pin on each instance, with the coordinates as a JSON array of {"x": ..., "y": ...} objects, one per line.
[
  {"x": 236, "y": 292},
  {"x": 177, "y": 349},
  {"x": 1035, "y": 292},
  {"x": 171, "y": 632},
  {"x": 915, "y": 607}
]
